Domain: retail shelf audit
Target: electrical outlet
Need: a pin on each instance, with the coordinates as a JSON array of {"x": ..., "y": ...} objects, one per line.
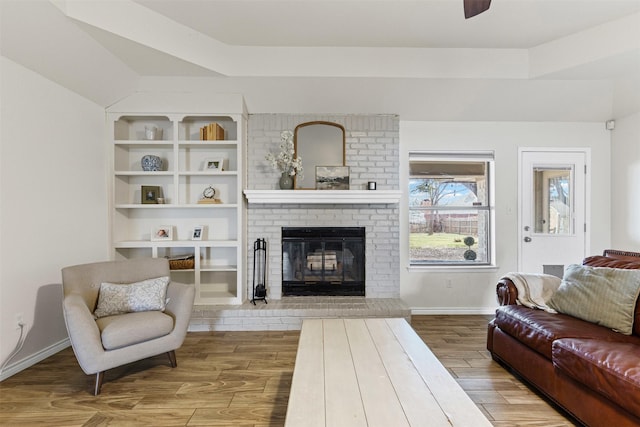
[
  {"x": 448, "y": 284},
  {"x": 19, "y": 320}
]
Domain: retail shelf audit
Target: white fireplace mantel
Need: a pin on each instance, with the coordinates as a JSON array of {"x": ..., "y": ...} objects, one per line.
[{"x": 323, "y": 196}]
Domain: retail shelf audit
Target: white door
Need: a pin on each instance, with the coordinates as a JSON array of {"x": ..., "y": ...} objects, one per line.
[{"x": 552, "y": 210}]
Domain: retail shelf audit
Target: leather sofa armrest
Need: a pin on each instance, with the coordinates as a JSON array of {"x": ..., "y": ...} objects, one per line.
[
  {"x": 506, "y": 292},
  {"x": 490, "y": 328}
]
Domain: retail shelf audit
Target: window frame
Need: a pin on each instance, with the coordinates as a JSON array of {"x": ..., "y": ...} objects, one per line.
[{"x": 487, "y": 157}]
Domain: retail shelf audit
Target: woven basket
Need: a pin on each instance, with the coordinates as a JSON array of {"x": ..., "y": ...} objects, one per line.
[{"x": 182, "y": 263}]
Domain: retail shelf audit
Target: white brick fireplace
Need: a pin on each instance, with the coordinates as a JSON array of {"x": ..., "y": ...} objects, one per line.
[{"x": 372, "y": 153}]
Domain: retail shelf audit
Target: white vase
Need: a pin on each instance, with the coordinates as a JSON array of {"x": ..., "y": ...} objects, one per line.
[{"x": 150, "y": 132}]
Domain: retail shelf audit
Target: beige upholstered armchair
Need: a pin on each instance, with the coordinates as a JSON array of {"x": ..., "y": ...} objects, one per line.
[{"x": 108, "y": 339}]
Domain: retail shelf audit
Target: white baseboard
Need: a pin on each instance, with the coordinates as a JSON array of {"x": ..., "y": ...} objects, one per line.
[
  {"x": 452, "y": 310},
  {"x": 31, "y": 360}
]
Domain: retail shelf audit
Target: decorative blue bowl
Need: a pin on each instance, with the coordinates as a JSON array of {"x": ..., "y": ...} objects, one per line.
[{"x": 151, "y": 163}]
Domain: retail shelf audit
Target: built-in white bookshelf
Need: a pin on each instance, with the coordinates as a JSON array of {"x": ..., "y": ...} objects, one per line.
[{"x": 189, "y": 167}]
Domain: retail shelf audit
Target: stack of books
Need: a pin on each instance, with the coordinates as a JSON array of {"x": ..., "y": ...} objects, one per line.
[
  {"x": 211, "y": 132},
  {"x": 209, "y": 201}
]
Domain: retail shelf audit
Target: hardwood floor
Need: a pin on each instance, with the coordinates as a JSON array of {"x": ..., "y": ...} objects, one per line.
[
  {"x": 243, "y": 379},
  {"x": 459, "y": 342}
]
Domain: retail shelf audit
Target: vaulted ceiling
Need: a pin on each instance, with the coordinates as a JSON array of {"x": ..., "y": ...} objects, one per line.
[{"x": 587, "y": 50}]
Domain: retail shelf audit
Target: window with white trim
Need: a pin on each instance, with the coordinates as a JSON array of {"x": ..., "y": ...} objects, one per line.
[{"x": 451, "y": 208}]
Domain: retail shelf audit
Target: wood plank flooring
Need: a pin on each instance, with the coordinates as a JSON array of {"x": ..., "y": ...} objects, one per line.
[
  {"x": 243, "y": 379},
  {"x": 459, "y": 342}
]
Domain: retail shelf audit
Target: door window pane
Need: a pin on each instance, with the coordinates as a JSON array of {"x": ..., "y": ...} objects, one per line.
[{"x": 552, "y": 200}]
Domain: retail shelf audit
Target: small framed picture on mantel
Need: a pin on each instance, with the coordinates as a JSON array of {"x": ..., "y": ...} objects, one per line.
[{"x": 332, "y": 177}]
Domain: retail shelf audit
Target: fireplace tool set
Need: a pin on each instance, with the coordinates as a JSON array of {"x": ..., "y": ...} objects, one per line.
[{"x": 259, "y": 271}]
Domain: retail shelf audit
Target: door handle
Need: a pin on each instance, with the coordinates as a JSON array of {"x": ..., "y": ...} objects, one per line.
[
  {"x": 527, "y": 239},
  {"x": 526, "y": 228}
]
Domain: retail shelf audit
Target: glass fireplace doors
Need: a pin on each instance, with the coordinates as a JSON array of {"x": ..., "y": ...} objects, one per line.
[{"x": 323, "y": 261}]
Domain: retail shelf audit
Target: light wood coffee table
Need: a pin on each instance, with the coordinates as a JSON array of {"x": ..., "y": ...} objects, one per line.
[{"x": 373, "y": 372}]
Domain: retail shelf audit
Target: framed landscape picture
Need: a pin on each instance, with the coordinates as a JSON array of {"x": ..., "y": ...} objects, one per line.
[{"x": 332, "y": 177}]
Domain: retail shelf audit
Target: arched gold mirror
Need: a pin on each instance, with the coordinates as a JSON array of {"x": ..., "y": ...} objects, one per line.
[{"x": 319, "y": 144}]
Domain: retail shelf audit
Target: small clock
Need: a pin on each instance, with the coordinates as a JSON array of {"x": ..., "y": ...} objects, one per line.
[{"x": 209, "y": 193}]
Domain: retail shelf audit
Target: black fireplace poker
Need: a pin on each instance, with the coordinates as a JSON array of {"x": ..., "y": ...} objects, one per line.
[{"x": 259, "y": 271}]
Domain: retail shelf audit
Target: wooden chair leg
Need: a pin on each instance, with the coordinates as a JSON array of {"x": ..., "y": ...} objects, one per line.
[
  {"x": 172, "y": 358},
  {"x": 99, "y": 378}
]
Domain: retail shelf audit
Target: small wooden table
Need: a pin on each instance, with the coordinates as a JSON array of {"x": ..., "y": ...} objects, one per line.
[{"x": 373, "y": 372}]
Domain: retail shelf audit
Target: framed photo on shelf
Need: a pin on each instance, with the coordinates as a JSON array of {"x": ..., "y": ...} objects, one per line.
[
  {"x": 163, "y": 232},
  {"x": 150, "y": 194},
  {"x": 198, "y": 232},
  {"x": 214, "y": 164},
  {"x": 332, "y": 177}
]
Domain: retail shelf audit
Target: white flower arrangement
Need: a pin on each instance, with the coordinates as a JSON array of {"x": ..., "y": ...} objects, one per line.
[{"x": 285, "y": 161}]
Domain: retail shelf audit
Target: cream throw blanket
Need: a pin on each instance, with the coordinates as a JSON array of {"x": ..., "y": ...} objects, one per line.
[{"x": 534, "y": 290}]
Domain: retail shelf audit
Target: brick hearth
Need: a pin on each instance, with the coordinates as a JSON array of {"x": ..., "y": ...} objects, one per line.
[{"x": 287, "y": 313}]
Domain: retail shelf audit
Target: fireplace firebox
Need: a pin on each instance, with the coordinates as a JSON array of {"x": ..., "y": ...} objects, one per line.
[{"x": 323, "y": 261}]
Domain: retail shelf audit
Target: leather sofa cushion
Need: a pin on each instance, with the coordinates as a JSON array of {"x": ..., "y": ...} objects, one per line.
[
  {"x": 538, "y": 329},
  {"x": 602, "y": 295},
  {"x": 626, "y": 262},
  {"x": 609, "y": 368},
  {"x": 131, "y": 328}
]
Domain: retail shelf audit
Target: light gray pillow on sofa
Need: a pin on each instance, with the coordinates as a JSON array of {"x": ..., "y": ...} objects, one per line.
[
  {"x": 117, "y": 298},
  {"x": 601, "y": 295}
]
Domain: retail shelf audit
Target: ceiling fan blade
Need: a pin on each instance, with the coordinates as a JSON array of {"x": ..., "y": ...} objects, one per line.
[{"x": 475, "y": 7}]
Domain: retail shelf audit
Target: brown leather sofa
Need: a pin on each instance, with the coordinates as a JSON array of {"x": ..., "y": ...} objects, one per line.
[{"x": 588, "y": 370}]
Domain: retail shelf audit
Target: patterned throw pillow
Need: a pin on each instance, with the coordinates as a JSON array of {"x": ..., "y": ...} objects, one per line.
[
  {"x": 117, "y": 298},
  {"x": 601, "y": 295}
]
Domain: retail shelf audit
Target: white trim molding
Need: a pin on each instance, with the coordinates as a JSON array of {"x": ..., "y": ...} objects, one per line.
[
  {"x": 323, "y": 196},
  {"x": 32, "y": 359}
]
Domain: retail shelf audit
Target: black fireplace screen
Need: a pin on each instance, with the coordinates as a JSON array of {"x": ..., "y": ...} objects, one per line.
[{"x": 323, "y": 261}]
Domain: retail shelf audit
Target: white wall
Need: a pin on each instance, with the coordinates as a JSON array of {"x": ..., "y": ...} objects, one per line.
[
  {"x": 474, "y": 291},
  {"x": 625, "y": 184},
  {"x": 415, "y": 102},
  {"x": 53, "y": 205},
  {"x": 53, "y": 191},
  {"x": 411, "y": 99}
]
